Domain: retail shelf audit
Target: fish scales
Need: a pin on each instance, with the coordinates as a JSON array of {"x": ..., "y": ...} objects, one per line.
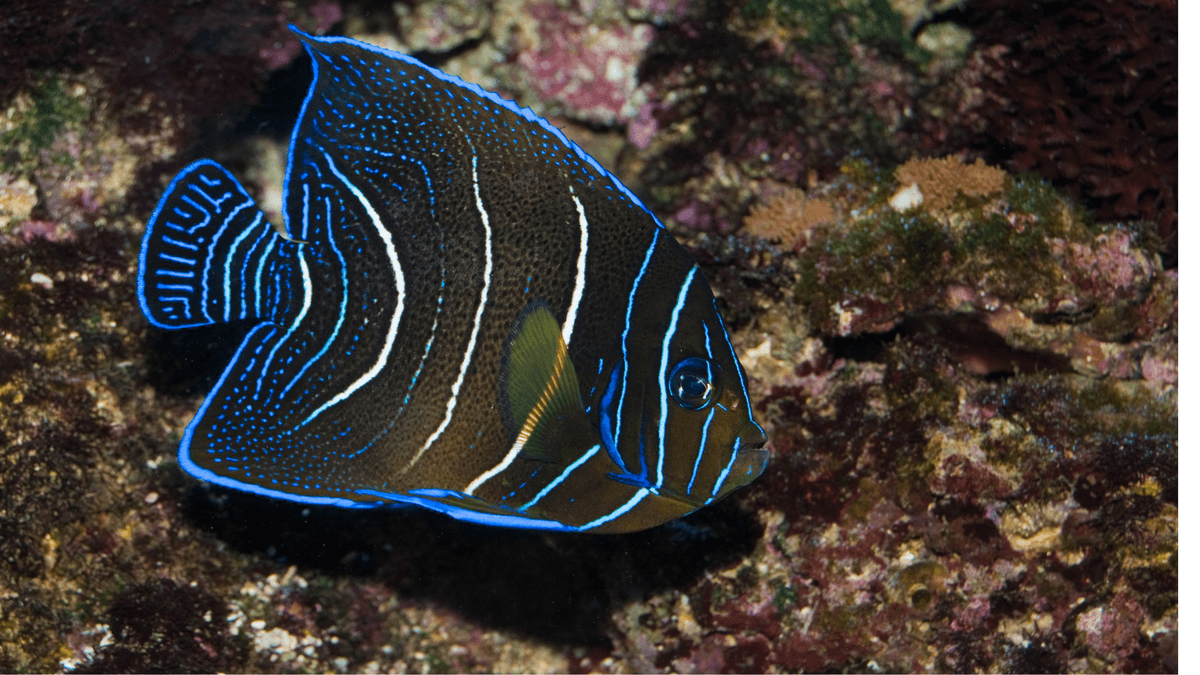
[{"x": 462, "y": 311}]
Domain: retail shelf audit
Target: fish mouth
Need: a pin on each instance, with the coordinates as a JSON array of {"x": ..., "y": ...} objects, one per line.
[
  {"x": 757, "y": 454},
  {"x": 752, "y": 452},
  {"x": 750, "y": 459}
]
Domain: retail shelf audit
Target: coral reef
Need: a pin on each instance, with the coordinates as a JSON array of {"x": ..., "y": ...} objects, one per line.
[
  {"x": 972, "y": 395},
  {"x": 145, "y": 55},
  {"x": 744, "y": 94}
]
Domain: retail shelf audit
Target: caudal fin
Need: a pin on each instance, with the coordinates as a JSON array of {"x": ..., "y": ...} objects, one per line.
[{"x": 210, "y": 255}]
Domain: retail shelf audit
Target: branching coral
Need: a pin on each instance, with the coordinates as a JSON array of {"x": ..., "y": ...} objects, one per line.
[
  {"x": 788, "y": 217},
  {"x": 941, "y": 180}
]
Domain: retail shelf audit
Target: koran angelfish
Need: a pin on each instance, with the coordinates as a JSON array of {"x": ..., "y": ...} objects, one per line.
[{"x": 462, "y": 310}]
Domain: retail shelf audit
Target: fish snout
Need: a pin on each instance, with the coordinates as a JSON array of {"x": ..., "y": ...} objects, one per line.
[{"x": 750, "y": 459}]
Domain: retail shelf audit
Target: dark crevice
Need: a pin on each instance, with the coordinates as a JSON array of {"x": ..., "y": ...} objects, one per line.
[{"x": 966, "y": 338}]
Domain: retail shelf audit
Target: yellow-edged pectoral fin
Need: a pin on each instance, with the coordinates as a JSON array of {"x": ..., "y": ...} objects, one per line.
[{"x": 539, "y": 391}]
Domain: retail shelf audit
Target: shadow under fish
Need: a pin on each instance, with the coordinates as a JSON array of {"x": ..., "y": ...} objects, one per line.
[{"x": 462, "y": 311}]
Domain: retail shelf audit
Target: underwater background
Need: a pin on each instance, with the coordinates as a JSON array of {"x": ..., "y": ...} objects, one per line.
[{"x": 942, "y": 236}]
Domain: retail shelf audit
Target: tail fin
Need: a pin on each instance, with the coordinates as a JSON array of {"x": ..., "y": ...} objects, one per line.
[{"x": 210, "y": 255}]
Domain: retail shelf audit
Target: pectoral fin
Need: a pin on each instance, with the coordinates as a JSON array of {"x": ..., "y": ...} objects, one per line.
[{"x": 539, "y": 392}]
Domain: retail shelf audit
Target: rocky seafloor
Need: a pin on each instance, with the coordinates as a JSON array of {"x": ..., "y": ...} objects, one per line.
[{"x": 968, "y": 371}]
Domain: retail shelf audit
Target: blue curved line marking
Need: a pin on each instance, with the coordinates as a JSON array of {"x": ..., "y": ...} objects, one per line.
[
  {"x": 185, "y": 460},
  {"x": 183, "y": 244},
  {"x": 741, "y": 378},
  {"x": 561, "y": 477},
  {"x": 295, "y": 324},
  {"x": 625, "y": 340},
  {"x": 293, "y": 144},
  {"x": 634, "y": 501},
  {"x": 212, "y": 253},
  {"x": 230, "y": 256},
  {"x": 721, "y": 479},
  {"x": 345, "y": 301},
  {"x": 524, "y": 113},
  {"x": 467, "y": 514},
  {"x": 662, "y": 373},
  {"x": 700, "y": 454},
  {"x": 195, "y": 205},
  {"x": 606, "y": 416},
  {"x": 246, "y": 285}
]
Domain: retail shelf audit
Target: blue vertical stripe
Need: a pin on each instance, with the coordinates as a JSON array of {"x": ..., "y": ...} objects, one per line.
[
  {"x": 663, "y": 410},
  {"x": 700, "y": 451},
  {"x": 637, "y": 281}
]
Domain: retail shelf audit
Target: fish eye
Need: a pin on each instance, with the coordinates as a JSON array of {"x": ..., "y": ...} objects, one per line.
[{"x": 694, "y": 382}]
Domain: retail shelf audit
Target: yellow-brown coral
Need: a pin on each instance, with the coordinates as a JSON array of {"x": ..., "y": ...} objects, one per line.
[
  {"x": 940, "y": 180},
  {"x": 788, "y": 217},
  {"x": 17, "y": 199}
]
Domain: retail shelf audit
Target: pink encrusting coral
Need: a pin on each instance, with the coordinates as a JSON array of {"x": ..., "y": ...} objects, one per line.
[
  {"x": 589, "y": 69},
  {"x": 946, "y": 481}
]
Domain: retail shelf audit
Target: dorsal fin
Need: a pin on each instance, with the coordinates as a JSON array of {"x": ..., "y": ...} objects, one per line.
[{"x": 539, "y": 391}]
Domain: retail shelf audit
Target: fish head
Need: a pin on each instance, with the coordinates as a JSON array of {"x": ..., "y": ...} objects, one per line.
[{"x": 685, "y": 428}]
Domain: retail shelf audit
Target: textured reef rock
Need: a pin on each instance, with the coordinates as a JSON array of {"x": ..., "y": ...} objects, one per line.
[
  {"x": 975, "y": 441},
  {"x": 970, "y": 380}
]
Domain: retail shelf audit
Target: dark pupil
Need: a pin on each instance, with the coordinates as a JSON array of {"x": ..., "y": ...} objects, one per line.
[{"x": 691, "y": 385}]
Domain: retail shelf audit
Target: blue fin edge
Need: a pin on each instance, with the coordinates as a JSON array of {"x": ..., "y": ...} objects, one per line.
[
  {"x": 525, "y": 113},
  {"x": 149, "y": 234},
  {"x": 431, "y": 499}
]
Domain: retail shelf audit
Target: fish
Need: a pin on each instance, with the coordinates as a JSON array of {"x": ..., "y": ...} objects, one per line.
[{"x": 461, "y": 310}]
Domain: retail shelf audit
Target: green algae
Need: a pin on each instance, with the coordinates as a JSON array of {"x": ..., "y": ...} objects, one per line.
[
  {"x": 891, "y": 258},
  {"x": 823, "y": 23},
  {"x": 784, "y": 598},
  {"x": 52, "y": 111},
  {"x": 883, "y": 255}
]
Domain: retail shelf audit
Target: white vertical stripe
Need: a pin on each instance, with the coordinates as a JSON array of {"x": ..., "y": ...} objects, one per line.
[
  {"x": 484, "y": 477},
  {"x": 662, "y": 375},
  {"x": 483, "y": 300},
  {"x": 397, "y": 275},
  {"x": 580, "y": 270},
  {"x": 568, "y": 327},
  {"x": 337, "y": 327}
]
